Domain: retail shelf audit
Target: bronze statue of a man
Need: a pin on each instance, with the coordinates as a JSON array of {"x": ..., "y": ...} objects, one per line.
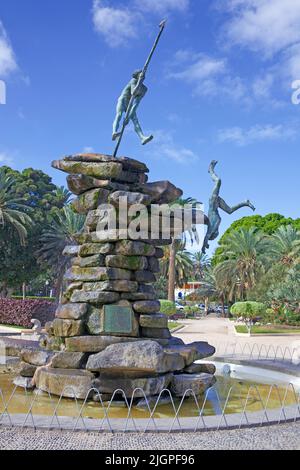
[
  {"x": 137, "y": 91},
  {"x": 216, "y": 203}
]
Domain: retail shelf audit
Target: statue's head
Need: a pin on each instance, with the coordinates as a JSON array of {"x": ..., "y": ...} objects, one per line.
[{"x": 136, "y": 73}]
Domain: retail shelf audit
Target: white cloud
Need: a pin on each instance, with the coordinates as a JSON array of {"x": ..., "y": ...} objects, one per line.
[
  {"x": 269, "y": 26},
  {"x": 120, "y": 24},
  {"x": 162, "y": 6},
  {"x": 258, "y": 133},
  {"x": 262, "y": 85},
  {"x": 164, "y": 147},
  {"x": 5, "y": 159},
  {"x": 209, "y": 76},
  {"x": 88, "y": 150},
  {"x": 201, "y": 68},
  {"x": 117, "y": 25},
  {"x": 290, "y": 68},
  {"x": 8, "y": 62}
]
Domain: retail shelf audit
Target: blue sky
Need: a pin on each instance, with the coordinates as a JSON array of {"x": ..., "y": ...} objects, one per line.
[{"x": 220, "y": 87}]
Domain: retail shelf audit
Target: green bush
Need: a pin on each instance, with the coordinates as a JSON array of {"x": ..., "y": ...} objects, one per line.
[
  {"x": 282, "y": 315},
  {"x": 167, "y": 307},
  {"x": 190, "y": 310},
  {"x": 248, "y": 310}
]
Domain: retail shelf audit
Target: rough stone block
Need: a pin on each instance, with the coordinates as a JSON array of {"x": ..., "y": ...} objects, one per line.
[
  {"x": 71, "y": 250},
  {"x": 115, "y": 286},
  {"x": 154, "y": 321},
  {"x": 145, "y": 357},
  {"x": 96, "y": 274},
  {"x": 163, "y": 333},
  {"x": 132, "y": 198},
  {"x": 66, "y": 328},
  {"x": 134, "y": 248},
  {"x": 200, "y": 368},
  {"x": 69, "y": 383},
  {"x": 35, "y": 357},
  {"x": 89, "y": 261},
  {"x": 147, "y": 306},
  {"x": 90, "y": 200},
  {"x": 88, "y": 249},
  {"x": 95, "y": 297},
  {"x": 153, "y": 264},
  {"x": 197, "y": 383},
  {"x": 27, "y": 370},
  {"x": 93, "y": 344},
  {"x": 99, "y": 170},
  {"x": 161, "y": 192},
  {"x": 126, "y": 262},
  {"x": 144, "y": 276},
  {"x": 69, "y": 360},
  {"x": 71, "y": 311},
  {"x": 142, "y": 386}
]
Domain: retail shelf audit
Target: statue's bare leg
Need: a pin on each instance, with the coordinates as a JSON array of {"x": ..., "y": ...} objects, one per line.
[
  {"x": 116, "y": 124},
  {"x": 215, "y": 178},
  {"x": 137, "y": 127},
  {"x": 231, "y": 210},
  {"x": 214, "y": 218},
  {"x": 205, "y": 244}
]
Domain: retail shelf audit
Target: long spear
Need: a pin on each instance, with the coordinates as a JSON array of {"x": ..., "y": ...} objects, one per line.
[{"x": 140, "y": 81}]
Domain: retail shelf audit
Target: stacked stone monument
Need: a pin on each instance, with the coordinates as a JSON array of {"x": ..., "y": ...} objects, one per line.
[{"x": 108, "y": 332}]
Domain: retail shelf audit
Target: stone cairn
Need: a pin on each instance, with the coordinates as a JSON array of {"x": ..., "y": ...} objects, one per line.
[{"x": 108, "y": 332}]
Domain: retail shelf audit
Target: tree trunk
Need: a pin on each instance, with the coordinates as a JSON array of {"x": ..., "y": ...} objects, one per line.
[
  {"x": 24, "y": 290},
  {"x": 3, "y": 290},
  {"x": 172, "y": 266},
  {"x": 223, "y": 306},
  {"x": 206, "y": 305}
]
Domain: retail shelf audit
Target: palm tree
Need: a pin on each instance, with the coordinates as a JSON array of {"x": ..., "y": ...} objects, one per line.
[
  {"x": 183, "y": 262},
  {"x": 191, "y": 234},
  {"x": 12, "y": 209},
  {"x": 247, "y": 256},
  {"x": 63, "y": 196},
  {"x": 212, "y": 285},
  {"x": 57, "y": 235},
  {"x": 201, "y": 262},
  {"x": 285, "y": 245}
]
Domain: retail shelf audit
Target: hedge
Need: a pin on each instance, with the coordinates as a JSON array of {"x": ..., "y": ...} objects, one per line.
[
  {"x": 34, "y": 297},
  {"x": 248, "y": 309},
  {"x": 20, "y": 312},
  {"x": 167, "y": 307}
]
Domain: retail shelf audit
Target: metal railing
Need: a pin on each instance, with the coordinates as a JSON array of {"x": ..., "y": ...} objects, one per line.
[
  {"x": 288, "y": 410},
  {"x": 257, "y": 351}
]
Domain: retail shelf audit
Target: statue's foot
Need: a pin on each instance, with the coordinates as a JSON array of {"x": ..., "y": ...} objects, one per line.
[
  {"x": 116, "y": 135},
  {"x": 205, "y": 248},
  {"x": 146, "y": 140},
  {"x": 251, "y": 205},
  {"x": 212, "y": 165}
]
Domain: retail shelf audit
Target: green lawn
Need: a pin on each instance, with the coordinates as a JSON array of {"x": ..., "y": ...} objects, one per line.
[
  {"x": 173, "y": 324},
  {"x": 264, "y": 330},
  {"x": 14, "y": 326}
]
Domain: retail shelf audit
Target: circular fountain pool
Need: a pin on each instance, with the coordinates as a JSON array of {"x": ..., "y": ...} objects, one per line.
[{"x": 236, "y": 386}]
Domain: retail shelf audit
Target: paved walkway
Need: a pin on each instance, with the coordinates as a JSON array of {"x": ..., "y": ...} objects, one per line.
[
  {"x": 10, "y": 329},
  {"x": 281, "y": 437},
  {"x": 220, "y": 330}
]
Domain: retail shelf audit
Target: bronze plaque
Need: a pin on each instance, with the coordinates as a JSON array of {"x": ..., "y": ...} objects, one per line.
[{"x": 118, "y": 319}]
